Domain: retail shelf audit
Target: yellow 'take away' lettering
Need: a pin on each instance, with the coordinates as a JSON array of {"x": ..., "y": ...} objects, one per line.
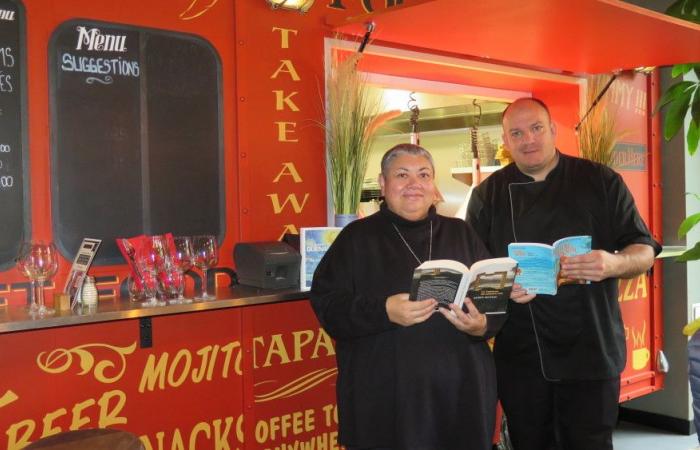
[
  {"x": 284, "y": 35},
  {"x": 286, "y": 66},
  {"x": 291, "y": 198},
  {"x": 284, "y": 129},
  {"x": 288, "y": 169},
  {"x": 7, "y": 398},
  {"x": 281, "y": 100},
  {"x": 289, "y": 228}
]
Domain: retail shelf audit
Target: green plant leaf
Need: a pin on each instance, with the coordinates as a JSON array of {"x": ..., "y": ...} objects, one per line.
[
  {"x": 676, "y": 8},
  {"x": 696, "y": 69},
  {"x": 672, "y": 93},
  {"x": 692, "y": 254},
  {"x": 693, "y": 136},
  {"x": 681, "y": 69},
  {"x": 676, "y": 114},
  {"x": 688, "y": 224}
]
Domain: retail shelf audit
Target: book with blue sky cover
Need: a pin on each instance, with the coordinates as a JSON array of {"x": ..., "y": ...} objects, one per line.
[
  {"x": 538, "y": 264},
  {"x": 313, "y": 244}
]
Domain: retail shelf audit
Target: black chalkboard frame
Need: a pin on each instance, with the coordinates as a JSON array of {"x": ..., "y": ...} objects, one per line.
[
  {"x": 114, "y": 258},
  {"x": 8, "y": 261}
]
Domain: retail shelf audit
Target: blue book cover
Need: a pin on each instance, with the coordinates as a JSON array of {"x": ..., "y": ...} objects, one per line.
[
  {"x": 538, "y": 264},
  {"x": 313, "y": 244}
]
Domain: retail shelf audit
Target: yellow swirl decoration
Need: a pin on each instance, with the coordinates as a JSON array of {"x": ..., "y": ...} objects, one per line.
[
  {"x": 295, "y": 387},
  {"x": 196, "y": 9},
  {"x": 60, "y": 360}
]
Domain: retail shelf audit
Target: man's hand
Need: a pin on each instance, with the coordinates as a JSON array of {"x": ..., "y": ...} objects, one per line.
[
  {"x": 598, "y": 265},
  {"x": 472, "y": 322},
  {"x": 520, "y": 295},
  {"x": 405, "y": 312}
]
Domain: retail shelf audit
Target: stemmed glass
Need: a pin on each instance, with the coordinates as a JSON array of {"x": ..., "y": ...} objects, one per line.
[
  {"x": 147, "y": 260},
  {"x": 205, "y": 256},
  {"x": 39, "y": 262},
  {"x": 182, "y": 257}
]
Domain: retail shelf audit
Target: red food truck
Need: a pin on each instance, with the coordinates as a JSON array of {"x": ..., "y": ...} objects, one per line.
[{"x": 200, "y": 116}]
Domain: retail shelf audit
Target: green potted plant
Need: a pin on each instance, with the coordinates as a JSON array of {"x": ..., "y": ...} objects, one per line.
[
  {"x": 352, "y": 117},
  {"x": 597, "y": 135}
]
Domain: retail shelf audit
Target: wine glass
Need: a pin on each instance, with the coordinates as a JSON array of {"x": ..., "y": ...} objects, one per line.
[
  {"x": 182, "y": 257},
  {"x": 147, "y": 260},
  {"x": 205, "y": 256},
  {"x": 170, "y": 284},
  {"x": 39, "y": 262},
  {"x": 22, "y": 260}
]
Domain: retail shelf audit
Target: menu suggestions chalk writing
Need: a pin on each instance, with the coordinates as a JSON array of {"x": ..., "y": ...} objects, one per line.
[
  {"x": 13, "y": 205},
  {"x": 136, "y": 140}
]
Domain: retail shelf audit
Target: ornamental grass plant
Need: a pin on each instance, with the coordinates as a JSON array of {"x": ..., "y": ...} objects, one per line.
[
  {"x": 352, "y": 116},
  {"x": 597, "y": 136}
]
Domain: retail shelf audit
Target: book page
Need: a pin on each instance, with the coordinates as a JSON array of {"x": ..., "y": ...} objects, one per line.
[
  {"x": 491, "y": 284},
  {"x": 442, "y": 284},
  {"x": 571, "y": 246},
  {"x": 537, "y": 267}
]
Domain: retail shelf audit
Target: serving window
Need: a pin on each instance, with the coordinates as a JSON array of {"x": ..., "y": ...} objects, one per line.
[{"x": 136, "y": 135}]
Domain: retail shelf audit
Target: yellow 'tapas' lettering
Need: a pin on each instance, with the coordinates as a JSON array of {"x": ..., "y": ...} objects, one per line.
[
  {"x": 291, "y": 198},
  {"x": 289, "y": 169},
  {"x": 323, "y": 341},
  {"x": 284, "y": 129},
  {"x": 284, "y": 35},
  {"x": 286, "y": 66},
  {"x": 281, "y": 100}
]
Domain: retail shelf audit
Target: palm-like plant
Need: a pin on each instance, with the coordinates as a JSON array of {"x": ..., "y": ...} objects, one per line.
[
  {"x": 351, "y": 116},
  {"x": 679, "y": 98}
]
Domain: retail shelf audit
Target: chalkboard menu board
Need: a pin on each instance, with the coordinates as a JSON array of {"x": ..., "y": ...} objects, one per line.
[
  {"x": 136, "y": 135},
  {"x": 14, "y": 220}
]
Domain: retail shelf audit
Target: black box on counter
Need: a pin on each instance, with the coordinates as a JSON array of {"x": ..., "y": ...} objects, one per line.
[{"x": 268, "y": 265}]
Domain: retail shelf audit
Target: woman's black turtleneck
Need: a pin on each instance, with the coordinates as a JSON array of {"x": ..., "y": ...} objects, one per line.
[{"x": 427, "y": 386}]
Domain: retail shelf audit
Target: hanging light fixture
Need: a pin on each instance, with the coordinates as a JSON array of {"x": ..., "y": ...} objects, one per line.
[{"x": 295, "y": 5}]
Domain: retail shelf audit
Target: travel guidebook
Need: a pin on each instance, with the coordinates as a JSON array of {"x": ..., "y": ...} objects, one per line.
[
  {"x": 538, "y": 264},
  {"x": 487, "y": 283},
  {"x": 313, "y": 244}
]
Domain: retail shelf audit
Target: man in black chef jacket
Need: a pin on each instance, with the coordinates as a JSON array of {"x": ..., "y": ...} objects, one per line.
[{"x": 559, "y": 357}]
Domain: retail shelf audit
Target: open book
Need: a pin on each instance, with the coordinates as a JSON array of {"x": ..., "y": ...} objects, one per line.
[
  {"x": 538, "y": 264},
  {"x": 488, "y": 283}
]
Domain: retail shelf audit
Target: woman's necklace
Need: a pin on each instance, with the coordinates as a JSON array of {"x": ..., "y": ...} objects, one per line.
[{"x": 430, "y": 243}]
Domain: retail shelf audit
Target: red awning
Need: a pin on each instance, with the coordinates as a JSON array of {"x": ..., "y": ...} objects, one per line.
[{"x": 576, "y": 36}]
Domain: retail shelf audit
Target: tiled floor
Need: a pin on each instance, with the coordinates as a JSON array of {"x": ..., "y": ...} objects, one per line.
[{"x": 630, "y": 436}]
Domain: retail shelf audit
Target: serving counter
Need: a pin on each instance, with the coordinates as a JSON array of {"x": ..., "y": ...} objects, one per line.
[{"x": 250, "y": 370}]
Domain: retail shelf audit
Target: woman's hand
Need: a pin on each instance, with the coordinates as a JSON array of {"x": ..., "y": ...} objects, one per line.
[
  {"x": 405, "y": 312},
  {"x": 520, "y": 295},
  {"x": 470, "y": 322}
]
